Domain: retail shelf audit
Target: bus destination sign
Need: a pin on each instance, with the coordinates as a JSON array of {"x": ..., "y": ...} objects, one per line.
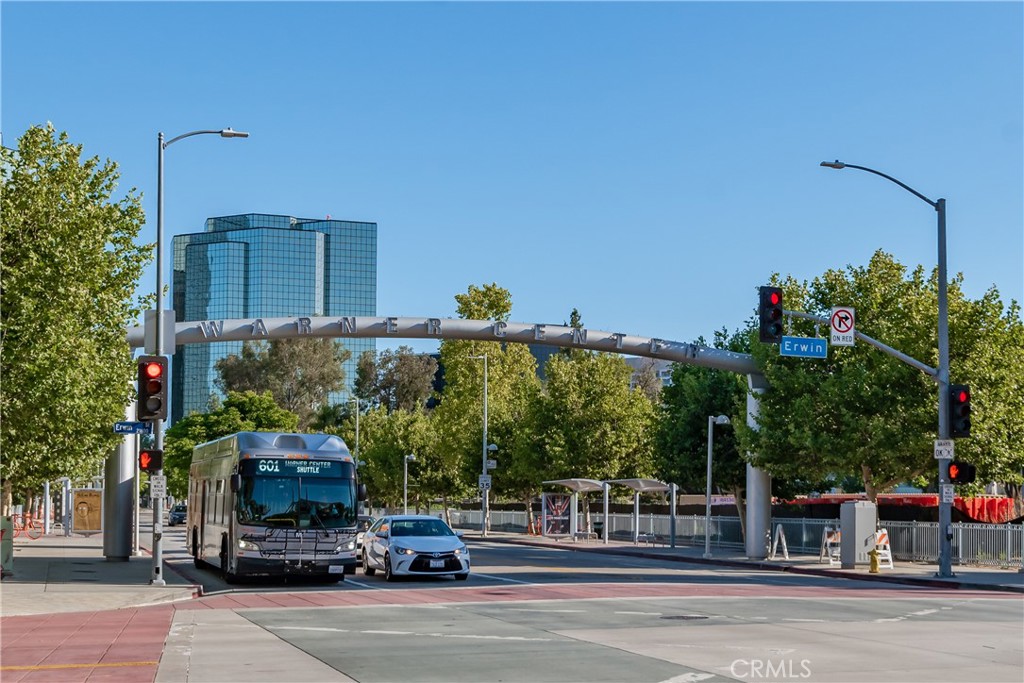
[{"x": 304, "y": 468}]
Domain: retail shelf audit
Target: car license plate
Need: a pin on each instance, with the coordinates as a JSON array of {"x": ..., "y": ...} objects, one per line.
[
  {"x": 437, "y": 564},
  {"x": 336, "y": 569}
]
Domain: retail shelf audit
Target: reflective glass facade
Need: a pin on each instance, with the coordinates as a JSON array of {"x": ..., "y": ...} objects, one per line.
[{"x": 265, "y": 266}]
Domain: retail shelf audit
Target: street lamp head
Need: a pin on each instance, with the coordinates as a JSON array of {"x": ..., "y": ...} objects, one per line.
[
  {"x": 722, "y": 420},
  {"x": 833, "y": 164},
  {"x": 493, "y": 447},
  {"x": 229, "y": 133},
  {"x": 410, "y": 458}
]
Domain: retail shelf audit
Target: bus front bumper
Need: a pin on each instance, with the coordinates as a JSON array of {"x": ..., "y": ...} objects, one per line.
[{"x": 248, "y": 566}]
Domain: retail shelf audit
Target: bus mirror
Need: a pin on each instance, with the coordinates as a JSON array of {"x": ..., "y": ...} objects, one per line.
[
  {"x": 236, "y": 482},
  {"x": 361, "y": 492}
]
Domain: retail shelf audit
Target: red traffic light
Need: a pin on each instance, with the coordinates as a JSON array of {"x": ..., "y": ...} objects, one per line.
[
  {"x": 154, "y": 370},
  {"x": 775, "y": 297},
  {"x": 963, "y": 395}
]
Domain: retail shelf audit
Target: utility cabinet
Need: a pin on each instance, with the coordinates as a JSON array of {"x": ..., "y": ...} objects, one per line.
[{"x": 857, "y": 520}]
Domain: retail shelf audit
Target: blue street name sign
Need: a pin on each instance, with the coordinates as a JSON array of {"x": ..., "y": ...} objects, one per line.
[
  {"x": 804, "y": 347},
  {"x": 132, "y": 428}
]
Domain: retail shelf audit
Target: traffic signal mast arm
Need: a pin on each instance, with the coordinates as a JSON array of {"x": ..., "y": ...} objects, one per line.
[{"x": 899, "y": 355}]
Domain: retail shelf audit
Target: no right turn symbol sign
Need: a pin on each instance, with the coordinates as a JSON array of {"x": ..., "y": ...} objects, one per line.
[{"x": 842, "y": 321}]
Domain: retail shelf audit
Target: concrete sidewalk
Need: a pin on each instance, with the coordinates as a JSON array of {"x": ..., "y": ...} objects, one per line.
[{"x": 56, "y": 574}]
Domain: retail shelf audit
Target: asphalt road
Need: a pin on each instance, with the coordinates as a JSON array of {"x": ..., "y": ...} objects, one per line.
[{"x": 618, "y": 618}]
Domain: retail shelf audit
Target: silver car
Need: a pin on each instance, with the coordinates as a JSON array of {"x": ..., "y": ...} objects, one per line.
[{"x": 414, "y": 545}]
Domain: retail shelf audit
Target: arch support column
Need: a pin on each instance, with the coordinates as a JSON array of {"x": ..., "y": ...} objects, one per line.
[{"x": 759, "y": 484}]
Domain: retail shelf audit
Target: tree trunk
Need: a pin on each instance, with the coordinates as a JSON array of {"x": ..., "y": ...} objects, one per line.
[
  {"x": 869, "y": 484},
  {"x": 529, "y": 512},
  {"x": 447, "y": 510},
  {"x": 7, "y": 500}
]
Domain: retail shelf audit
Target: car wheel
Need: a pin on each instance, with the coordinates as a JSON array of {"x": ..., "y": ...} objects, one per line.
[
  {"x": 461, "y": 577},
  {"x": 367, "y": 569},
  {"x": 388, "y": 574}
]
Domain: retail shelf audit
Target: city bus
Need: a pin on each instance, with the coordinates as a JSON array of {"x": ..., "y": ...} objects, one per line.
[{"x": 265, "y": 504}]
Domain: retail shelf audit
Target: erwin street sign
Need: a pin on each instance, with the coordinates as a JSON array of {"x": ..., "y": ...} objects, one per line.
[
  {"x": 132, "y": 427},
  {"x": 804, "y": 347}
]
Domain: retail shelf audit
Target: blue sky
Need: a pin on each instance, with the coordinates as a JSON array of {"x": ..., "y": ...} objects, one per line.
[{"x": 649, "y": 164}]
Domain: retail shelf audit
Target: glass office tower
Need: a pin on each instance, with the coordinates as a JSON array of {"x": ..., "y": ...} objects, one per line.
[{"x": 265, "y": 266}]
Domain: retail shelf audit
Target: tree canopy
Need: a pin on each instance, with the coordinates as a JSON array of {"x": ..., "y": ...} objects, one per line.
[
  {"x": 70, "y": 267},
  {"x": 299, "y": 373},
  {"x": 863, "y": 413}
]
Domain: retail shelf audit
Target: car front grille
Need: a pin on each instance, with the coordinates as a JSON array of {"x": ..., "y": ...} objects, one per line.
[{"x": 423, "y": 561}]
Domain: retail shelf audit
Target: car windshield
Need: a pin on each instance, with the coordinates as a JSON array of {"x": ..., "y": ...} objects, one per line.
[
  {"x": 420, "y": 527},
  {"x": 180, "y": 507}
]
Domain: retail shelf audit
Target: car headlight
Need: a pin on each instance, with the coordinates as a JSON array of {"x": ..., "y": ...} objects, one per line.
[
  {"x": 403, "y": 551},
  {"x": 462, "y": 550},
  {"x": 248, "y": 545}
]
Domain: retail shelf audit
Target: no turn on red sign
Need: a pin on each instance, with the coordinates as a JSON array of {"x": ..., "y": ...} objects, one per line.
[{"x": 842, "y": 321}]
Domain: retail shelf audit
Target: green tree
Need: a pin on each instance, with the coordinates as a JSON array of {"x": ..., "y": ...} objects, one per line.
[
  {"x": 397, "y": 380},
  {"x": 861, "y": 412},
  {"x": 695, "y": 394},
  {"x": 458, "y": 420},
  {"x": 70, "y": 266},
  {"x": 389, "y": 438},
  {"x": 299, "y": 373},
  {"x": 241, "y": 412}
]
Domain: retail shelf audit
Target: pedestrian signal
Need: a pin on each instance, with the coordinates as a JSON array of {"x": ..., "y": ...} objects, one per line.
[
  {"x": 961, "y": 472},
  {"x": 151, "y": 460}
]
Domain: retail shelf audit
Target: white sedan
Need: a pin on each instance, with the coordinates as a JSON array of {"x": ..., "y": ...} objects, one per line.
[{"x": 414, "y": 545}]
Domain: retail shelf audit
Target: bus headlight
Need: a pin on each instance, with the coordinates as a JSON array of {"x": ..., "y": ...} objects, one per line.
[
  {"x": 351, "y": 545},
  {"x": 248, "y": 545}
]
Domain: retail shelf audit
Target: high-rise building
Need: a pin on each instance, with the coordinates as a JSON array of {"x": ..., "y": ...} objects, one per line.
[{"x": 266, "y": 266}]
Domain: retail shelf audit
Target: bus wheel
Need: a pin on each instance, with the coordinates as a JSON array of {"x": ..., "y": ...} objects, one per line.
[{"x": 195, "y": 548}]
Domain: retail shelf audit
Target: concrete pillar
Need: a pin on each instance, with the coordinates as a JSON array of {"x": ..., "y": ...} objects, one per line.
[
  {"x": 119, "y": 499},
  {"x": 759, "y": 484}
]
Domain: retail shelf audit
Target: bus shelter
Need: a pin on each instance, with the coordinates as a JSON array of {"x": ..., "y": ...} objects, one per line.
[
  {"x": 577, "y": 485},
  {"x": 642, "y": 486}
]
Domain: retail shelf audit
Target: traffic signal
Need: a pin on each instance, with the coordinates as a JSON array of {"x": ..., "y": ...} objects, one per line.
[
  {"x": 770, "y": 313},
  {"x": 961, "y": 472},
  {"x": 151, "y": 460},
  {"x": 959, "y": 411},
  {"x": 152, "y": 403}
]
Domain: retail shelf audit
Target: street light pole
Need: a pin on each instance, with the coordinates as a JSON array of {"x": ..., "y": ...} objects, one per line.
[
  {"x": 156, "y": 578},
  {"x": 483, "y": 464},
  {"x": 405, "y": 482},
  {"x": 712, "y": 421},
  {"x": 942, "y": 374}
]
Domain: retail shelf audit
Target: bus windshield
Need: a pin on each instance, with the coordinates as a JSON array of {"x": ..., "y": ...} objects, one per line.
[{"x": 281, "y": 493}]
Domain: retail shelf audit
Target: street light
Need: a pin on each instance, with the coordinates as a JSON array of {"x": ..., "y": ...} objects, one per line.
[
  {"x": 484, "y": 448},
  {"x": 712, "y": 421},
  {"x": 156, "y": 578},
  {"x": 942, "y": 374},
  {"x": 405, "y": 481}
]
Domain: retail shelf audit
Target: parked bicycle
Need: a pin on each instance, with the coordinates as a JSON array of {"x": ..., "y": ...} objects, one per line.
[{"x": 27, "y": 525}]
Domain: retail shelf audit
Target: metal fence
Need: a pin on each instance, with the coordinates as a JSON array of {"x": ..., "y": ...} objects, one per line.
[{"x": 997, "y": 545}]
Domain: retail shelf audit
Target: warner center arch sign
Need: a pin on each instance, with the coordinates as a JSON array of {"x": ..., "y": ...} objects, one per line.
[{"x": 262, "y": 329}]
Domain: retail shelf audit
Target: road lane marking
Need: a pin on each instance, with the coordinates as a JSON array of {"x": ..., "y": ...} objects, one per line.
[
  {"x": 472, "y": 636},
  {"x": 555, "y": 611},
  {"x": 642, "y": 614},
  {"x": 502, "y": 578}
]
